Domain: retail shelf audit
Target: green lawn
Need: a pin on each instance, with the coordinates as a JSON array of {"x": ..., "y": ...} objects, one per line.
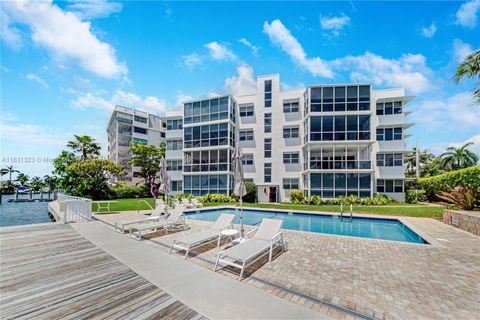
[{"x": 397, "y": 209}]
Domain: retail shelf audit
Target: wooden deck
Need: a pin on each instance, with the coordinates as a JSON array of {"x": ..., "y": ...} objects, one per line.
[{"x": 52, "y": 272}]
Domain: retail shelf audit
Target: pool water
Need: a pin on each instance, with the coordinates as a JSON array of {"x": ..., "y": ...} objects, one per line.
[{"x": 375, "y": 228}]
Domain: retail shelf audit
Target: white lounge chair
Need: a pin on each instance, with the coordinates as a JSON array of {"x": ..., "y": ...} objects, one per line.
[
  {"x": 196, "y": 203},
  {"x": 158, "y": 213},
  {"x": 160, "y": 202},
  {"x": 266, "y": 237},
  {"x": 187, "y": 203},
  {"x": 174, "y": 220},
  {"x": 187, "y": 242}
]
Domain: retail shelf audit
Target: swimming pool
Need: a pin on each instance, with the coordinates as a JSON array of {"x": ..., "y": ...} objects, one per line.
[{"x": 375, "y": 228}]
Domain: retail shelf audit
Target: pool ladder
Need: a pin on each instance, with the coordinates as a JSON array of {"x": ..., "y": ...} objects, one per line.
[{"x": 351, "y": 210}]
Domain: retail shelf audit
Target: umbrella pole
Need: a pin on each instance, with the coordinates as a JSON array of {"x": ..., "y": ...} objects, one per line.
[{"x": 242, "y": 231}]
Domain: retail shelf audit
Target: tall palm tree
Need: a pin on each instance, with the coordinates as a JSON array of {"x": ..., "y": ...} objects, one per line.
[
  {"x": 410, "y": 159},
  {"x": 22, "y": 179},
  {"x": 470, "y": 68},
  {"x": 85, "y": 145},
  {"x": 8, "y": 170},
  {"x": 50, "y": 181},
  {"x": 458, "y": 158},
  {"x": 36, "y": 183}
]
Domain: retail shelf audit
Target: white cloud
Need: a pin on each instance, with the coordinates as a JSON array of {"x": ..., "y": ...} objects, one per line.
[
  {"x": 467, "y": 13},
  {"x": 282, "y": 37},
  {"x": 192, "y": 60},
  {"x": 250, "y": 45},
  {"x": 37, "y": 79},
  {"x": 334, "y": 24},
  {"x": 429, "y": 31},
  {"x": 6, "y": 116},
  {"x": 126, "y": 99},
  {"x": 9, "y": 34},
  {"x": 93, "y": 9},
  {"x": 440, "y": 147},
  {"x": 65, "y": 36},
  {"x": 243, "y": 83},
  {"x": 461, "y": 50},
  {"x": 31, "y": 134},
  {"x": 219, "y": 51},
  {"x": 476, "y": 144},
  {"x": 181, "y": 99}
]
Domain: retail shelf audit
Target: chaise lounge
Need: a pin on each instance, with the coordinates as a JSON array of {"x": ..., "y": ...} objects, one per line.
[
  {"x": 157, "y": 214},
  {"x": 174, "y": 220}
]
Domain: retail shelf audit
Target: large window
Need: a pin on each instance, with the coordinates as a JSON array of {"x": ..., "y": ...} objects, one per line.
[
  {"x": 140, "y": 119},
  {"x": 389, "y": 134},
  {"x": 175, "y": 124},
  {"x": 140, "y": 130},
  {"x": 290, "y": 106},
  {"x": 267, "y": 172},
  {"x": 202, "y": 184},
  {"x": 206, "y": 160},
  {"x": 246, "y": 135},
  {"x": 174, "y": 145},
  {"x": 206, "y": 136},
  {"x": 386, "y": 108},
  {"x": 247, "y": 159},
  {"x": 142, "y": 141},
  {"x": 206, "y": 110},
  {"x": 389, "y": 186},
  {"x": 330, "y": 128},
  {"x": 268, "y": 148},
  {"x": 267, "y": 122},
  {"x": 340, "y": 158},
  {"x": 174, "y": 165},
  {"x": 290, "y": 183},
  {"x": 290, "y": 157},
  {"x": 290, "y": 133},
  {"x": 333, "y": 185},
  {"x": 268, "y": 93},
  {"x": 340, "y": 98},
  {"x": 246, "y": 110},
  {"x": 389, "y": 159},
  {"x": 176, "y": 185}
]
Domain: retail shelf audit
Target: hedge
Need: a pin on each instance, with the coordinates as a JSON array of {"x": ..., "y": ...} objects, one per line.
[
  {"x": 121, "y": 192},
  {"x": 448, "y": 181}
]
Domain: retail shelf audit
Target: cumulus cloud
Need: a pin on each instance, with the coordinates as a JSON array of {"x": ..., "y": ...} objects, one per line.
[
  {"x": 466, "y": 15},
  {"x": 65, "y": 36},
  {"x": 192, "y": 60},
  {"x": 219, "y": 51},
  {"x": 282, "y": 37},
  {"x": 334, "y": 24},
  {"x": 31, "y": 134},
  {"x": 429, "y": 31},
  {"x": 94, "y": 9},
  {"x": 181, "y": 99},
  {"x": 9, "y": 34},
  {"x": 250, "y": 45},
  {"x": 37, "y": 79},
  {"x": 461, "y": 50},
  {"x": 242, "y": 83}
]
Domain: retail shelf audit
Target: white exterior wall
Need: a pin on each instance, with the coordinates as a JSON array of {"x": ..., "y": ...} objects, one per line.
[{"x": 174, "y": 154}]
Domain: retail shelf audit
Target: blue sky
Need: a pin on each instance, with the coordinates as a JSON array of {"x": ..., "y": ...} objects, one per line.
[{"x": 64, "y": 65}]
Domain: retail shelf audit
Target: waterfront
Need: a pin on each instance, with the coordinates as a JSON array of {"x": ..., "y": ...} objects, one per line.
[{"x": 20, "y": 213}]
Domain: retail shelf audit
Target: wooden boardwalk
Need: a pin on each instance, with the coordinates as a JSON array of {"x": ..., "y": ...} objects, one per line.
[{"x": 52, "y": 272}]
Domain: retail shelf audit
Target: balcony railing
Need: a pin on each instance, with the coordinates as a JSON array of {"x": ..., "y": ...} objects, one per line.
[
  {"x": 340, "y": 165},
  {"x": 206, "y": 167}
]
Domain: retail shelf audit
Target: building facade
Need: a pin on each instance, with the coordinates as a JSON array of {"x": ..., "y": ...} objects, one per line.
[{"x": 127, "y": 125}]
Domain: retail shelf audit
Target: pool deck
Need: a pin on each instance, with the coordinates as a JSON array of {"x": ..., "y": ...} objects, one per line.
[{"x": 374, "y": 278}]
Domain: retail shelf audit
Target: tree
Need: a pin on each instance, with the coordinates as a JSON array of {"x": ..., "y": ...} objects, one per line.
[
  {"x": 458, "y": 158},
  {"x": 147, "y": 157},
  {"x": 22, "y": 179},
  {"x": 65, "y": 158},
  {"x": 411, "y": 160},
  {"x": 50, "y": 181},
  {"x": 36, "y": 184},
  {"x": 470, "y": 68},
  {"x": 8, "y": 170},
  {"x": 91, "y": 177},
  {"x": 85, "y": 146},
  {"x": 432, "y": 168}
]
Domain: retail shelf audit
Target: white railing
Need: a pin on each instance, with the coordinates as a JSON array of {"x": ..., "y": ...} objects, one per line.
[{"x": 76, "y": 208}]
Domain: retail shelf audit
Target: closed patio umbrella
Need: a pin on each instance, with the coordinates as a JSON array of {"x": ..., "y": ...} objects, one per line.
[
  {"x": 239, "y": 188},
  {"x": 164, "y": 178}
]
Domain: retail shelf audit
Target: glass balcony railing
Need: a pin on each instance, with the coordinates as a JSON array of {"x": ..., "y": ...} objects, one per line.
[{"x": 340, "y": 165}]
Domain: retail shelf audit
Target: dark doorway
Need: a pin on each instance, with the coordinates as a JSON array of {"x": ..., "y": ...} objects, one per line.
[{"x": 272, "y": 196}]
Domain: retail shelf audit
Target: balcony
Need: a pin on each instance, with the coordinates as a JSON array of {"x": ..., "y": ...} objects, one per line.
[{"x": 340, "y": 164}]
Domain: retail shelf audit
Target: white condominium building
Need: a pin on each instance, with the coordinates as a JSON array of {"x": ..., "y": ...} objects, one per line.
[
  {"x": 128, "y": 125},
  {"x": 329, "y": 140}
]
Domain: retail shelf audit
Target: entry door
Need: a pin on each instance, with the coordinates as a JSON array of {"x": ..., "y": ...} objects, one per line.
[{"x": 272, "y": 197}]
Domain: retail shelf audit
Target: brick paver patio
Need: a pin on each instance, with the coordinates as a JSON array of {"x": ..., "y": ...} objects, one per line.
[{"x": 382, "y": 279}]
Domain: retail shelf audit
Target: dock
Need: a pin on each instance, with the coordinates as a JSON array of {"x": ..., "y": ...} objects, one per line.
[{"x": 51, "y": 271}]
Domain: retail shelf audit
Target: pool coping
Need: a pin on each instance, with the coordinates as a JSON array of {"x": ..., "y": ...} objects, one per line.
[{"x": 430, "y": 240}]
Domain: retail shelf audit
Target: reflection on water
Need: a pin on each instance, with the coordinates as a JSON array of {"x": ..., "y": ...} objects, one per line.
[{"x": 12, "y": 214}]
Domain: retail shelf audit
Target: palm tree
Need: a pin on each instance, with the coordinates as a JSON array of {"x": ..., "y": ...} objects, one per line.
[
  {"x": 8, "y": 170},
  {"x": 22, "y": 179},
  {"x": 50, "y": 181},
  {"x": 432, "y": 168},
  {"x": 86, "y": 146},
  {"x": 410, "y": 159},
  {"x": 36, "y": 183},
  {"x": 470, "y": 68},
  {"x": 458, "y": 158}
]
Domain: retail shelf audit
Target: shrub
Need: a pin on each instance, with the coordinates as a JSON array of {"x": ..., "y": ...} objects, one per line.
[
  {"x": 297, "y": 197},
  {"x": 415, "y": 196},
  {"x": 217, "y": 198},
  {"x": 120, "y": 192},
  {"x": 466, "y": 198},
  {"x": 352, "y": 199},
  {"x": 314, "y": 200},
  {"x": 251, "y": 195},
  {"x": 380, "y": 200},
  {"x": 184, "y": 195},
  {"x": 447, "y": 181}
]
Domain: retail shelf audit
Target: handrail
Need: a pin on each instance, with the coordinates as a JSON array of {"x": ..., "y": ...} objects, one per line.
[
  {"x": 138, "y": 205},
  {"x": 77, "y": 208}
]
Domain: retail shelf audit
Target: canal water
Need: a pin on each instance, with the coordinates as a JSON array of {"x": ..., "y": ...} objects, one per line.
[{"x": 13, "y": 214}]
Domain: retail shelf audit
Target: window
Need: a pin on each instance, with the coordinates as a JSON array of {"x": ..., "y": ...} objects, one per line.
[
  {"x": 390, "y": 186},
  {"x": 199, "y": 185},
  {"x": 206, "y": 110},
  {"x": 267, "y": 122},
  {"x": 246, "y": 135},
  {"x": 387, "y": 108},
  {"x": 174, "y": 145},
  {"x": 142, "y": 141},
  {"x": 268, "y": 93},
  {"x": 389, "y": 134},
  {"x": 174, "y": 165},
  {"x": 290, "y": 133},
  {"x": 332, "y": 185},
  {"x": 389, "y": 159},
  {"x": 247, "y": 159},
  {"x": 337, "y": 128},
  {"x": 206, "y": 135},
  {"x": 174, "y": 124},
  {"x": 339, "y": 98},
  {"x": 268, "y": 148},
  {"x": 290, "y": 157},
  {"x": 140, "y": 119},
  {"x": 176, "y": 185},
  {"x": 140, "y": 130},
  {"x": 290, "y": 183},
  {"x": 289, "y": 107},
  {"x": 246, "y": 110},
  {"x": 267, "y": 172},
  {"x": 206, "y": 160}
]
